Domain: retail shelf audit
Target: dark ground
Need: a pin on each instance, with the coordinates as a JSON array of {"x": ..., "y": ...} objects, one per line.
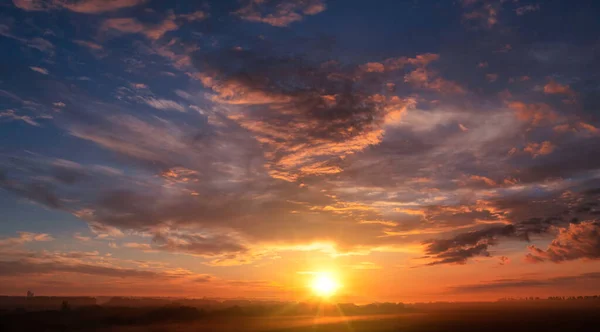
[{"x": 496, "y": 318}]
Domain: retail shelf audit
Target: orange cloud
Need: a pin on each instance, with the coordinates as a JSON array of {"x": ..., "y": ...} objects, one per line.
[
  {"x": 577, "y": 241},
  {"x": 25, "y": 237},
  {"x": 580, "y": 127},
  {"x": 393, "y": 64},
  {"x": 590, "y": 128},
  {"x": 151, "y": 31},
  {"x": 537, "y": 149},
  {"x": 131, "y": 25},
  {"x": 281, "y": 14},
  {"x": 553, "y": 87},
  {"x": 302, "y": 131},
  {"x": 426, "y": 79},
  {"x": 319, "y": 168},
  {"x": 89, "y": 44},
  {"x": 535, "y": 113},
  {"x": 180, "y": 174},
  {"x": 40, "y": 70},
  {"x": 445, "y": 86},
  {"x": 373, "y": 67},
  {"x": 483, "y": 179},
  {"x": 486, "y": 15}
]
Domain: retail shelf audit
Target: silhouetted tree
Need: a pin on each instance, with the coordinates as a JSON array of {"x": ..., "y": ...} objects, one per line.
[{"x": 65, "y": 306}]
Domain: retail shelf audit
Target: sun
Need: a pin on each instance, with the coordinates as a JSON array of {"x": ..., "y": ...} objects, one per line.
[{"x": 324, "y": 285}]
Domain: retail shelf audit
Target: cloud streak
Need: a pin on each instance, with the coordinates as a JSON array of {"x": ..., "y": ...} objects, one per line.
[
  {"x": 279, "y": 13},
  {"x": 78, "y": 6}
]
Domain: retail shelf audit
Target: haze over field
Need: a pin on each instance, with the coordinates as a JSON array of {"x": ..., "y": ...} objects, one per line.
[{"x": 300, "y": 150}]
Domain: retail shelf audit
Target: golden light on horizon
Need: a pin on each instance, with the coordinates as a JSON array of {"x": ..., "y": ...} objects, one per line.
[{"x": 324, "y": 285}]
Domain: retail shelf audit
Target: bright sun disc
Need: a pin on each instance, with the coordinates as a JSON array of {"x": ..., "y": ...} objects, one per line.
[{"x": 324, "y": 285}]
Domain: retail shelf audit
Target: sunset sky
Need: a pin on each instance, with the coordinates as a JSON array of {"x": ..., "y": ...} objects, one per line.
[{"x": 414, "y": 150}]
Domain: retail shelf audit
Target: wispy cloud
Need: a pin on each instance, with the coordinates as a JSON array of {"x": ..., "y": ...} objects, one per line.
[
  {"x": 24, "y": 237},
  {"x": 78, "y": 6},
  {"x": 527, "y": 283},
  {"x": 164, "y": 104},
  {"x": 279, "y": 14},
  {"x": 40, "y": 70}
]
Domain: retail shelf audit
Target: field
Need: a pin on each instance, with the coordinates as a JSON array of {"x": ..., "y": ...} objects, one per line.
[{"x": 505, "y": 319}]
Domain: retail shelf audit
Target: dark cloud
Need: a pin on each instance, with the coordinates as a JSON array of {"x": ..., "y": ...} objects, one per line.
[
  {"x": 573, "y": 157},
  {"x": 577, "y": 241},
  {"x": 589, "y": 279},
  {"x": 561, "y": 210},
  {"x": 24, "y": 267},
  {"x": 306, "y": 113},
  {"x": 467, "y": 245},
  {"x": 37, "y": 192},
  {"x": 197, "y": 244}
]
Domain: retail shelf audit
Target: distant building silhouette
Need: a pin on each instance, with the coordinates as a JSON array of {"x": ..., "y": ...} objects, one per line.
[{"x": 30, "y": 294}]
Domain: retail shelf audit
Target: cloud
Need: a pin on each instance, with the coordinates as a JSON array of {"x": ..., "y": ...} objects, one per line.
[
  {"x": 171, "y": 22},
  {"x": 527, "y": 9},
  {"x": 39, "y": 70},
  {"x": 491, "y": 77},
  {"x": 366, "y": 153},
  {"x": 195, "y": 16},
  {"x": 536, "y": 113},
  {"x": 197, "y": 244},
  {"x": 125, "y": 25},
  {"x": 164, "y": 104},
  {"x": 24, "y": 237},
  {"x": 140, "y": 246},
  {"x": 483, "y": 179},
  {"x": 11, "y": 114},
  {"x": 139, "y": 86},
  {"x": 279, "y": 13},
  {"x": 35, "y": 191},
  {"x": 90, "y": 45},
  {"x": 180, "y": 174},
  {"x": 78, "y": 6},
  {"x": 528, "y": 217},
  {"x": 303, "y": 112},
  {"x": 103, "y": 231},
  {"x": 503, "y": 260},
  {"x": 577, "y": 241},
  {"x": 38, "y": 43},
  {"x": 539, "y": 149},
  {"x": 78, "y": 236},
  {"x": 459, "y": 249},
  {"x": 28, "y": 267},
  {"x": 506, "y": 284},
  {"x": 35, "y": 5},
  {"x": 553, "y": 87},
  {"x": 569, "y": 159},
  {"x": 482, "y": 14},
  {"x": 427, "y": 79},
  {"x": 41, "y": 44},
  {"x": 133, "y": 26}
]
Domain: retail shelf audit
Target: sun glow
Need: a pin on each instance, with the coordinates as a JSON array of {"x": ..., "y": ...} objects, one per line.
[{"x": 324, "y": 285}]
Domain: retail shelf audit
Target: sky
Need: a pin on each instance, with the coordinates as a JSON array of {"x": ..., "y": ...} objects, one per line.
[{"x": 415, "y": 150}]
